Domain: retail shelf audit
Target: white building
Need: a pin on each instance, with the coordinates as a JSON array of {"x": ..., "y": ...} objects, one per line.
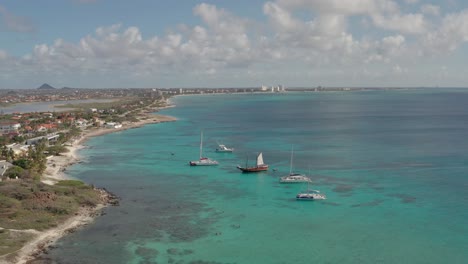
[
  {"x": 81, "y": 123},
  {"x": 8, "y": 127},
  {"x": 112, "y": 125}
]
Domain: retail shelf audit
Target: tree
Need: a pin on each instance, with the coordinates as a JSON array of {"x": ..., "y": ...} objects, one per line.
[
  {"x": 16, "y": 172},
  {"x": 11, "y": 155},
  {"x": 74, "y": 132},
  {"x": 23, "y": 163},
  {"x": 4, "y": 151},
  {"x": 56, "y": 150},
  {"x": 18, "y": 139}
]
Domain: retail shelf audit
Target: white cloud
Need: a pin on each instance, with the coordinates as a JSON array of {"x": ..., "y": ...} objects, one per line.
[
  {"x": 407, "y": 24},
  {"x": 282, "y": 19},
  {"x": 384, "y": 14},
  {"x": 449, "y": 35},
  {"x": 302, "y": 38},
  {"x": 224, "y": 43},
  {"x": 351, "y": 7},
  {"x": 398, "y": 70},
  {"x": 430, "y": 9}
]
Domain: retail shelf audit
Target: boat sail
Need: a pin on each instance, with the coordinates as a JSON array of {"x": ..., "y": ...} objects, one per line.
[
  {"x": 293, "y": 177},
  {"x": 203, "y": 161},
  {"x": 260, "y": 165}
]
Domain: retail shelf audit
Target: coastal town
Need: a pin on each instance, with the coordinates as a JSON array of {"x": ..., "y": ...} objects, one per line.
[
  {"x": 39, "y": 203},
  {"x": 47, "y": 93}
]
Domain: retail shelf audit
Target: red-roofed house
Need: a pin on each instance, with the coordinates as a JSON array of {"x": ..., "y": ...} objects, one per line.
[{"x": 46, "y": 127}]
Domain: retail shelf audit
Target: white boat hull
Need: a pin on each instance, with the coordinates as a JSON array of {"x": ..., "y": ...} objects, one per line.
[
  {"x": 295, "y": 178},
  {"x": 310, "y": 196},
  {"x": 203, "y": 162}
]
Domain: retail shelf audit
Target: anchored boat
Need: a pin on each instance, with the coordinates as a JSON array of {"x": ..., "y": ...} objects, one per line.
[
  {"x": 203, "y": 161},
  {"x": 223, "y": 148},
  {"x": 260, "y": 165},
  {"x": 293, "y": 177}
]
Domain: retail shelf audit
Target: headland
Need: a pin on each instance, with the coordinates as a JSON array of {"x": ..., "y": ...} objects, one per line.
[{"x": 36, "y": 242}]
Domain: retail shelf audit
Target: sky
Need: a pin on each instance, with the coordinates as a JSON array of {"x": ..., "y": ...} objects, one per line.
[{"x": 233, "y": 43}]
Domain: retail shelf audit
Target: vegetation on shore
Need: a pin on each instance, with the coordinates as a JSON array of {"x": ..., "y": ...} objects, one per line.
[
  {"x": 31, "y": 204},
  {"x": 33, "y": 164},
  {"x": 27, "y": 205}
]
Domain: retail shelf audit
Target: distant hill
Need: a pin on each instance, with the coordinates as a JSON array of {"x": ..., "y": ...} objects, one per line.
[{"x": 45, "y": 86}]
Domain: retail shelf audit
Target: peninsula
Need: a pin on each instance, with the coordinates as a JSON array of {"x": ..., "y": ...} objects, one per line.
[{"x": 39, "y": 202}]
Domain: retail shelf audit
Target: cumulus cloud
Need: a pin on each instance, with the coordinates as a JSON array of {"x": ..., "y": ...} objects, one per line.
[
  {"x": 448, "y": 36},
  {"x": 221, "y": 43},
  {"x": 352, "y": 7},
  {"x": 310, "y": 38},
  {"x": 408, "y": 23},
  {"x": 14, "y": 23},
  {"x": 430, "y": 9}
]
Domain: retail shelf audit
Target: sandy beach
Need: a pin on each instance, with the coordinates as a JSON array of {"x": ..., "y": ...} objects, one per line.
[
  {"x": 56, "y": 165},
  {"x": 56, "y": 171}
]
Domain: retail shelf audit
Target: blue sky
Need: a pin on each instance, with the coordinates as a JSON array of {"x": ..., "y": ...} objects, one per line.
[{"x": 190, "y": 43}]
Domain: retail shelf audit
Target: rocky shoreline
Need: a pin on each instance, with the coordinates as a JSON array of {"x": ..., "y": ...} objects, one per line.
[{"x": 36, "y": 249}]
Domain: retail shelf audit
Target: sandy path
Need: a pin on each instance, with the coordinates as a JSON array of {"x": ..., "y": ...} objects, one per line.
[{"x": 55, "y": 171}]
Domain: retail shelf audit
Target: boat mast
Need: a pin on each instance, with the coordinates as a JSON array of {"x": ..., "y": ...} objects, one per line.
[
  {"x": 291, "y": 161},
  {"x": 201, "y": 143}
]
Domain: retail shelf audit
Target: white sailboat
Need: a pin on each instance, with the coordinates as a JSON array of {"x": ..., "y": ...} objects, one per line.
[
  {"x": 293, "y": 177},
  {"x": 203, "y": 161}
]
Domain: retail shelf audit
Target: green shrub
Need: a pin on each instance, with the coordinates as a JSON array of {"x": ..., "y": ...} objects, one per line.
[
  {"x": 14, "y": 172},
  {"x": 71, "y": 183},
  {"x": 23, "y": 163}
]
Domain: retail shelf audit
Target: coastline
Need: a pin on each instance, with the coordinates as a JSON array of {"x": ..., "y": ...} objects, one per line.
[
  {"x": 56, "y": 165},
  {"x": 56, "y": 171}
]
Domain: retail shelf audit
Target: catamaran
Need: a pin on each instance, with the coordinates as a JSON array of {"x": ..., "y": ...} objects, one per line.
[
  {"x": 293, "y": 177},
  {"x": 310, "y": 195},
  {"x": 203, "y": 161},
  {"x": 260, "y": 166}
]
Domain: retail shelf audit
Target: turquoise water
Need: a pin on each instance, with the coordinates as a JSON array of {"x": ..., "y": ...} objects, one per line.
[{"x": 393, "y": 165}]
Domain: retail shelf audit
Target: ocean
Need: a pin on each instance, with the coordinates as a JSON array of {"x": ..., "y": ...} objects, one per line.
[{"x": 392, "y": 163}]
